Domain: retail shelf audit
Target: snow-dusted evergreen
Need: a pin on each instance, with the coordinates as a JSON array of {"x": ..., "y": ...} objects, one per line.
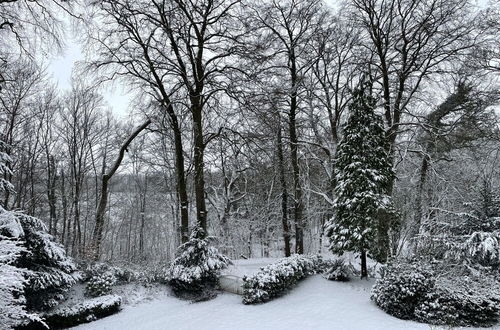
[
  {"x": 12, "y": 278},
  {"x": 52, "y": 272},
  {"x": 34, "y": 270},
  {"x": 363, "y": 172},
  {"x": 196, "y": 267}
]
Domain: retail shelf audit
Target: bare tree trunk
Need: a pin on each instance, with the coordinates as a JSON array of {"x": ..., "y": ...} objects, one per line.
[
  {"x": 64, "y": 203},
  {"x": 181, "y": 178},
  {"x": 284, "y": 194},
  {"x": 298, "y": 221},
  {"x": 51, "y": 194},
  {"x": 364, "y": 268},
  {"x": 199, "y": 180},
  {"x": 419, "y": 194}
]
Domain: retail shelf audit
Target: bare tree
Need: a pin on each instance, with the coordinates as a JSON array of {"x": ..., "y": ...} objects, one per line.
[
  {"x": 288, "y": 26},
  {"x": 101, "y": 209}
]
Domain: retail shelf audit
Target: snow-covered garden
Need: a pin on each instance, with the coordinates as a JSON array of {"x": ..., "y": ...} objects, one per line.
[{"x": 249, "y": 164}]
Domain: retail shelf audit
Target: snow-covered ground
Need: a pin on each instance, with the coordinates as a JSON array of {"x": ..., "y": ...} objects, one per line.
[{"x": 314, "y": 304}]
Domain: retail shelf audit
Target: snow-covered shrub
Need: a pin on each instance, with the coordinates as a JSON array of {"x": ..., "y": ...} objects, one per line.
[
  {"x": 401, "y": 288},
  {"x": 415, "y": 292},
  {"x": 480, "y": 247},
  {"x": 337, "y": 270},
  {"x": 85, "y": 311},
  {"x": 100, "y": 285},
  {"x": 272, "y": 280},
  {"x": 157, "y": 273},
  {"x": 457, "y": 303},
  {"x": 194, "y": 272}
]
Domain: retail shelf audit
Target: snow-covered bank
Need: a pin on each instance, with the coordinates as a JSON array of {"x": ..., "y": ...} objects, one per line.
[{"x": 314, "y": 304}]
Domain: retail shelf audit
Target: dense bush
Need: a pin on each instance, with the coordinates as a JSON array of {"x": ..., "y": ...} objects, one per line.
[
  {"x": 100, "y": 285},
  {"x": 156, "y": 273},
  {"x": 85, "y": 311},
  {"x": 337, "y": 270},
  {"x": 272, "y": 280},
  {"x": 401, "y": 287},
  {"x": 194, "y": 272},
  {"x": 415, "y": 292},
  {"x": 457, "y": 304}
]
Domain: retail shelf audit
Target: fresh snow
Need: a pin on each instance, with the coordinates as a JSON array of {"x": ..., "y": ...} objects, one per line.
[{"x": 315, "y": 303}]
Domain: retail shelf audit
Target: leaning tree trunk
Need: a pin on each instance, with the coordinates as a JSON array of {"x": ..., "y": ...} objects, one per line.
[{"x": 103, "y": 202}]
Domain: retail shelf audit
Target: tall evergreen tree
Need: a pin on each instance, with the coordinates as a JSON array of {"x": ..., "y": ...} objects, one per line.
[{"x": 363, "y": 172}]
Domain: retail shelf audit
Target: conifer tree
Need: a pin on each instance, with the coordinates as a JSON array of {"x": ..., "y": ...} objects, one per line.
[
  {"x": 363, "y": 172},
  {"x": 34, "y": 269},
  {"x": 194, "y": 272}
]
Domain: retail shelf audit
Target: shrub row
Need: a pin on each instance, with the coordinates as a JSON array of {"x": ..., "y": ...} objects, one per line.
[
  {"x": 83, "y": 312},
  {"x": 272, "y": 280},
  {"x": 417, "y": 292}
]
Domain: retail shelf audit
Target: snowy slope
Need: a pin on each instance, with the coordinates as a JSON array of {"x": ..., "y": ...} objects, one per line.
[{"x": 314, "y": 304}]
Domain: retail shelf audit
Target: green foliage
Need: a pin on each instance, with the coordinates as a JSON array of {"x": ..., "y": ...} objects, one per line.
[
  {"x": 272, "y": 280},
  {"x": 363, "y": 172}
]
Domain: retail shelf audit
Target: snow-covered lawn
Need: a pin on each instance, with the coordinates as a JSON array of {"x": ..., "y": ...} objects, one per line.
[{"x": 314, "y": 304}]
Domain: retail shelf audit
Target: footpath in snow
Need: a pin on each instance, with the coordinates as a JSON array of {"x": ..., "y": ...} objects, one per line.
[{"x": 314, "y": 304}]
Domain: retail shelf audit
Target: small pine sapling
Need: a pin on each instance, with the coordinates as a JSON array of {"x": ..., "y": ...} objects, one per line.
[{"x": 194, "y": 272}]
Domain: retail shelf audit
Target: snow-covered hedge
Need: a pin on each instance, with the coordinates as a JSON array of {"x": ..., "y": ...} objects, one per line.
[
  {"x": 272, "y": 280},
  {"x": 194, "y": 272},
  {"x": 85, "y": 311},
  {"x": 417, "y": 292}
]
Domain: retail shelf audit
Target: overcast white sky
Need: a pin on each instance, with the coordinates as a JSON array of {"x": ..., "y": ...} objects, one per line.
[{"x": 60, "y": 67}]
